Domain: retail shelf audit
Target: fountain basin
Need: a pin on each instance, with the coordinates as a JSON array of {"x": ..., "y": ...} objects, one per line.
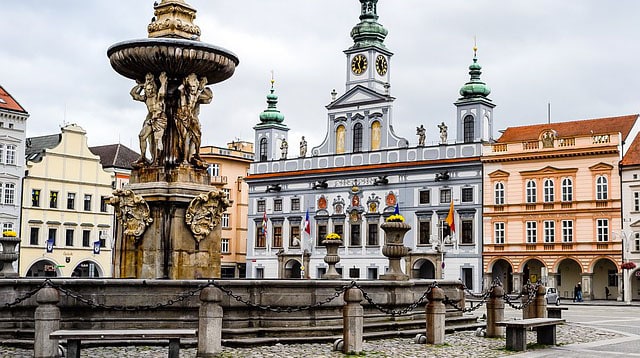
[{"x": 177, "y": 57}]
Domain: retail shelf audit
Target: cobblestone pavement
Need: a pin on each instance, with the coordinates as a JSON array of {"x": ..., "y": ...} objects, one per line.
[{"x": 460, "y": 344}]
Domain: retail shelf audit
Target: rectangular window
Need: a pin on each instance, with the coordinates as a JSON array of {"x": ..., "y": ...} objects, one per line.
[
  {"x": 102, "y": 237},
  {"x": 213, "y": 169},
  {"x": 466, "y": 234},
  {"x": 425, "y": 196},
  {"x": 227, "y": 193},
  {"x": 567, "y": 230},
  {"x": 424, "y": 233},
  {"x": 321, "y": 233},
  {"x": 34, "y": 236},
  {"x": 262, "y": 207},
  {"x": 602, "y": 229},
  {"x": 354, "y": 272},
  {"x": 445, "y": 230},
  {"x": 52, "y": 235},
  {"x": 354, "y": 240},
  {"x": 86, "y": 238},
  {"x": 53, "y": 199},
  {"x": 498, "y": 233},
  {"x": 549, "y": 231},
  {"x": 295, "y": 204},
  {"x": 613, "y": 279},
  {"x": 277, "y": 235},
  {"x": 224, "y": 246},
  {"x": 445, "y": 196},
  {"x": 294, "y": 237},
  {"x": 467, "y": 277},
  {"x": 636, "y": 201},
  {"x": 372, "y": 273},
  {"x": 225, "y": 221},
  {"x": 11, "y": 155},
  {"x": 467, "y": 195},
  {"x": 372, "y": 234},
  {"x": 9, "y": 193},
  {"x": 104, "y": 201},
  {"x": 71, "y": 201},
  {"x": 636, "y": 242},
  {"x": 259, "y": 272},
  {"x": 7, "y": 227},
  {"x": 532, "y": 232},
  {"x": 35, "y": 198},
  {"x": 68, "y": 237},
  {"x": 277, "y": 205},
  {"x": 260, "y": 237},
  {"x": 87, "y": 202},
  {"x": 227, "y": 272},
  {"x": 338, "y": 228}
]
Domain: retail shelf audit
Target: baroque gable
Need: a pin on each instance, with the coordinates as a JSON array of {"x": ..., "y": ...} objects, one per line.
[{"x": 359, "y": 95}]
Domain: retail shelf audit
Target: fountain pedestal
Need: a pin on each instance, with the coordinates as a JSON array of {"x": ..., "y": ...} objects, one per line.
[
  {"x": 8, "y": 256},
  {"x": 394, "y": 249}
]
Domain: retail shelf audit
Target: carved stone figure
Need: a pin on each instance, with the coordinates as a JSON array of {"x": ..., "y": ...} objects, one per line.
[
  {"x": 156, "y": 121},
  {"x": 422, "y": 133},
  {"x": 547, "y": 139},
  {"x": 192, "y": 93},
  {"x": 443, "y": 133},
  {"x": 132, "y": 211},
  {"x": 303, "y": 147},
  {"x": 284, "y": 149},
  {"x": 205, "y": 213}
]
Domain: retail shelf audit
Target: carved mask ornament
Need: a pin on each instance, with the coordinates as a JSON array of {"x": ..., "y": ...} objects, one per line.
[
  {"x": 132, "y": 211},
  {"x": 205, "y": 213}
]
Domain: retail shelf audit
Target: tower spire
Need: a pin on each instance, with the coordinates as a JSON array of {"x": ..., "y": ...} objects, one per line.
[
  {"x": 475, "y": 87},
  {"x": 271, "y": 114},
  {"x": 368, "y": 32}
]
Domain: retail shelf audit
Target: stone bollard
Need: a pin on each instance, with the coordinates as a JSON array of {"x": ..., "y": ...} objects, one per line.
[
  {"x": 353, "y": 320},
  {"x": 495, "y": 312},
  {"x": 540, "y": 309},
  {"x": 210, "y": 323},
  {"x": 529, "y": 310},
  {"x": 435, "y": 312},
  {"x": 47, "y": 320}
]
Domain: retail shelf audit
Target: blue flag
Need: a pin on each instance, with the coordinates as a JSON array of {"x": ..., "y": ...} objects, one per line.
[
  {"x": 96, "y": 247},
  {"x": 50, "y": 246},
  {"x": 397, "y": 210}
]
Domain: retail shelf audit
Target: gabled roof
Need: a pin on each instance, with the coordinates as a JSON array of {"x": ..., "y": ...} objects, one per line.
[
  {"x": 9, "y": 103},
  {"x": 632, "y": 156},
  {"x": 622, "y": 124},
  {"x": 35, "y": 146},
  {"x": 360, "y": 95},
  {"x": 115, "y": 156}
]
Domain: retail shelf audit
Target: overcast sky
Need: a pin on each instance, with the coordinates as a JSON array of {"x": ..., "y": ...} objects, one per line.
[{"x": 579, "y": 55}]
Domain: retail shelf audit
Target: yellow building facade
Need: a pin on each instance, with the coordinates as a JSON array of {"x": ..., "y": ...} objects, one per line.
[
  {"x": 227, "y": 168},
  {"x": 552, "y": 206},
  {"x": 65, "y": 212}
]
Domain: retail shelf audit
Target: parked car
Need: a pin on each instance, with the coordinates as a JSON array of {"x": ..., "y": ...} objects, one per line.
[{"x": 552, "y": 296}]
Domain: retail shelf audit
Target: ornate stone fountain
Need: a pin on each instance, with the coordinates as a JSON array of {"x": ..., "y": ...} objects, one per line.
[{"x": 169, "y": 216}]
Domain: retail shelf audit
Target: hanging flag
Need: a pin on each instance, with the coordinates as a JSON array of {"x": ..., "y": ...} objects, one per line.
[
  {"x": 50, "y": 246},
  {"x": 264, "y": 224},
  {"x": 307, "y": 224},
  {"x": 397, "y": 210},
  {"x": 449, "y": 219},
  {"x": 96, "y": 247}
]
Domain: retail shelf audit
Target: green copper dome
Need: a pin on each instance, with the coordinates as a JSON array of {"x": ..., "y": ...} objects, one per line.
[
  {"x": 475, "y": 87},
  {"x": 271, "y": 114},
  {"x": 368, "y": 32}
]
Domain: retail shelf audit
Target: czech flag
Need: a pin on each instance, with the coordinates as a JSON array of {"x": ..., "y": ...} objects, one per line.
[{"x": 307, "y": 224}]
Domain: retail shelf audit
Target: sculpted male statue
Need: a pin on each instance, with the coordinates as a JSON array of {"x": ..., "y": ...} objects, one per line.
[
  {"x": 303, "y": 147},
  {"x": 192, "y": 93},
  {"x": 422, "y": 133},
  {"x": 443, "y": 133},
  {"x": 284, "y": 148},
  {"x": 156, "y": 121}
]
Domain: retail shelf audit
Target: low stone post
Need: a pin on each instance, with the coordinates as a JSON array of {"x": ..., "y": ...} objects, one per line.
[
  {"x": 353, "y": 321},
  {"x": 47, "y": 320},
  {"x": 529, "y": 310},
  {"x": 435, "y": 312},
  {"x": 210, "y": 323},
  {"x": 540, "y": 309},
  {"x": 495, "y": 312}
]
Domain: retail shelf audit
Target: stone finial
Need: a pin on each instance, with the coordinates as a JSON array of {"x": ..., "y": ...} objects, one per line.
[{"x": 174, "y": 18}]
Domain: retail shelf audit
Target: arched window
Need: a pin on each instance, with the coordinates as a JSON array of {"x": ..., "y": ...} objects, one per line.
[
  {"x": 375, "y": 135},
  {"x": 499, "y": 193},
  {"x": 468, "y": 129},
  {"x": 357, "y": 137},
  {"x": 567, "y": 189},
  {"x": 263, "y": 149},
  {"x": 340, "y": 135},
  {"x": 602, "y": 188},
  {"x": 532, "y": 191},
  {"x": 549, "y": 190}
]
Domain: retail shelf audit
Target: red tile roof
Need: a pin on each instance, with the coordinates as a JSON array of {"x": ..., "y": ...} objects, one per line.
[
  {"x": 622, "y": 124},
  {"x": 632, "y": 156},
  {"x": 8, "y": 102}
]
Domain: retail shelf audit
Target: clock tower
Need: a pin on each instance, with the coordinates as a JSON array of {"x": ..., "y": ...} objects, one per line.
[{"x": 368, "y": 60}]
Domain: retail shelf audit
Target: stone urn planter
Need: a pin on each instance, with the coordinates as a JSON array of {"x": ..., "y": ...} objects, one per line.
[
  {"x": 8, "y": 255},
  {"x": 394, "y": 249},
  {"x": 332, "y": 258}
]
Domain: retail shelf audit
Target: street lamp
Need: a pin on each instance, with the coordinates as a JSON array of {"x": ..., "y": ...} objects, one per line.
[{"x": 624, "y": 240}]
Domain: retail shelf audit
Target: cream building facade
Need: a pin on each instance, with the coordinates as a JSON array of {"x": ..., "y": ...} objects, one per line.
[
  {"x": 630, "y": 234},
  {"x": 227, "y": 169},
  {"x": 65, "y": 203}
]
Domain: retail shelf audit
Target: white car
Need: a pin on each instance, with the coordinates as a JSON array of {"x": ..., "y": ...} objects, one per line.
[{"x": 552, "y": 296}]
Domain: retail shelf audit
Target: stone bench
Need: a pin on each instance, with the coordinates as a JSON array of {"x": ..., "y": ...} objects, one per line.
[
  {"x": 517, "y": 331},
  {"x": 75, "y": 337},
  {"x": 555, "y": 312}
]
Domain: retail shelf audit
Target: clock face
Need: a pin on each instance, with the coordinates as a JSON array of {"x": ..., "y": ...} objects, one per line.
[
  {"x": 381, "y": 65},
  {"x": 359, "y": 64}
]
